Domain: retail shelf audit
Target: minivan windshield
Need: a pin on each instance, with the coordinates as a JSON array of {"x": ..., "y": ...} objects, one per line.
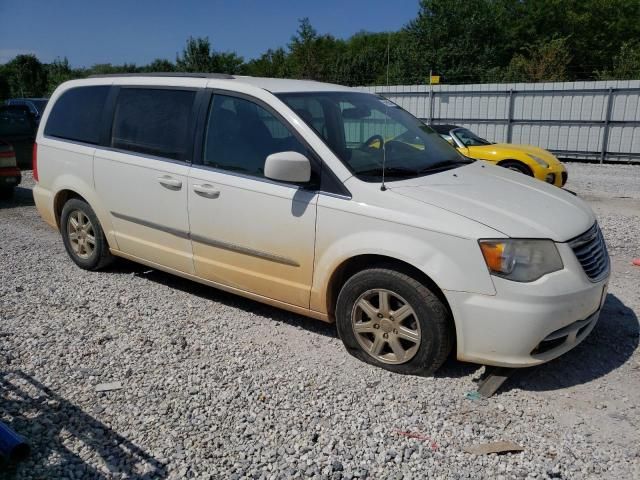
[{"x": 366, "y": 130}]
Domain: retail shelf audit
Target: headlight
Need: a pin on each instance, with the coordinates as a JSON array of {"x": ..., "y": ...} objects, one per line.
[
  {"x": 539, "y": 161},
  {"x": 521, "y": 260}
]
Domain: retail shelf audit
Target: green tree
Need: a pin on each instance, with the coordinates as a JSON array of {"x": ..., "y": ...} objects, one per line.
[
  {"x": 227, "y": 62},
  {"x": 463, "y": 41},
  {"x": 592, "y": 29},
  {"x": 542, "y": 62},
  {"x": 58, "y": 72},
  {"x": 199, "y": 56},
  {"x": 364, "y": 60},
  {"x": 626, "y": 64},
  {"x": 196, "y": 56},
  {"x": 159, "y": 65},
  {"x": 303, "y": 51},
  {"x": 5, "y": 90},
  {"x": 272, "y": 63},
  {"x": 109, "y": 69},
  {"x": 26, "y": 77},
  {"x": 458, "y": 39}
]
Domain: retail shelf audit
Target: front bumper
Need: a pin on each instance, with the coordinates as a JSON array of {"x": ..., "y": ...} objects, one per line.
[
  {"x": 556, "y": 175},
  {"x": 10, "y": 177},
  {"x": 527, "y": 324}
]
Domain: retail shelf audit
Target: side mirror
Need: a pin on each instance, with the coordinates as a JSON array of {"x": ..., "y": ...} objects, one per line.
[{"x": 288, "y": 167}]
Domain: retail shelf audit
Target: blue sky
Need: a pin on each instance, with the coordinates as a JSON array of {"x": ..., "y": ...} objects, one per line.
[{"x": 138, "y": 31}]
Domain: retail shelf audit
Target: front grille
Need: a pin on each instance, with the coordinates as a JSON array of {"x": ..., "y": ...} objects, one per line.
[
  {"x": 591, "y": 252},
  {"x": 564, "y": 178}
]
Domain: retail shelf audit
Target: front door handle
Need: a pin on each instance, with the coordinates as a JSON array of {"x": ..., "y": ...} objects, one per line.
[
  {"x": 206, "y": 190},
  {"x": 170, "y": 182}
]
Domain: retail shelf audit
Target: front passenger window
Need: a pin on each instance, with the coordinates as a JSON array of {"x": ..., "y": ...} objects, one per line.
[{"x": 241, "y": 135}]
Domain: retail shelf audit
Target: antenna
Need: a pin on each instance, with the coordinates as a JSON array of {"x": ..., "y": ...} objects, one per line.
[{"x": 386, "y": 115}]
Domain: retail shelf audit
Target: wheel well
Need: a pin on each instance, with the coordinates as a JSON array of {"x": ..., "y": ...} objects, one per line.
[
  {"x": 526, "y": 167},
  {"x": 62, "y": 197},
  {"x": 363, "y": 262}
]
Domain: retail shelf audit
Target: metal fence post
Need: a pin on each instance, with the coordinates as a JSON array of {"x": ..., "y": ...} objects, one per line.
[
  {"x": 430, "y": 104},
  {"x": 605, "y": 132},
  {"x": 510, "y": 116}
]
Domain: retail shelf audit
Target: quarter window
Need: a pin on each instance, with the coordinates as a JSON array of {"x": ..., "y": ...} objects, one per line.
[
  {"x": 77, "y": 114},
  {"x": 153, "y": 121},
  {"x": 241, "y": 135}
]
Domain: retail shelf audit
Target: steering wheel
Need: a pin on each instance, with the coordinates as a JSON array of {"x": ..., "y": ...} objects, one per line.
[{"x": 371, "y": 139}]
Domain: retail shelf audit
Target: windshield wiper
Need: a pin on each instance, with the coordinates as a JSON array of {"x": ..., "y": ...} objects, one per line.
[
  {"x": 409, "y": 172},
  {"x": 446, "y": 165},
  {"x": 392, "y": 171}
]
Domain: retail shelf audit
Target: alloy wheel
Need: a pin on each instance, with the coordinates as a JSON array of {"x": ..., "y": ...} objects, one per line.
[
  {"x": 81, "y": 234},
  {"x": 386, "y": 326}
]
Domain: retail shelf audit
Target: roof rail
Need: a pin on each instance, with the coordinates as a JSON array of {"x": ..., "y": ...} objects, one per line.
[{"x": 225, "y": 76}]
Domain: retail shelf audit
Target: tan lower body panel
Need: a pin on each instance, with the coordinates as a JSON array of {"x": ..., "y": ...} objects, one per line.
[
  {"x": 265, "y": 277},
  {"x": 259, "y": 298}
]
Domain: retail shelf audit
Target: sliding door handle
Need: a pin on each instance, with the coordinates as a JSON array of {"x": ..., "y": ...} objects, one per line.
[
  {"x": 170, "y": 182},
  {"x": 206, "y": 190}
]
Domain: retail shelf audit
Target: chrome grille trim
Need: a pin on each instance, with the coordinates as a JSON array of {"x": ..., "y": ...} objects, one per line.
[{"x": 591, "y": 251}]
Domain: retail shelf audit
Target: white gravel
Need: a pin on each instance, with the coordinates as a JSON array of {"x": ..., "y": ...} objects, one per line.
[{"x": 215, "y": 386}]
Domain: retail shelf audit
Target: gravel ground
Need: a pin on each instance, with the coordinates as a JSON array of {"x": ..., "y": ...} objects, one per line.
[{"x": 215, "y": 386}]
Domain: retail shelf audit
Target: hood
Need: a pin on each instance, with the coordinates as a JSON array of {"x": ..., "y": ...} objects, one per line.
[
  {"x": 502, "y": 150},
  {"x": 510, "y": 202},
  {"x": 520, "y": 148}
]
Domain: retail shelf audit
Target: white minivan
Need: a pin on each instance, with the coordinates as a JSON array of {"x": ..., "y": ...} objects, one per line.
[{"x": 305, "y": 196}]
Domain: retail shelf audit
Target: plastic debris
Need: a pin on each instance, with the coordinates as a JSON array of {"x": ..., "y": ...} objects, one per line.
[
  {"x": 474, "y": 395},
  {"x": 108, "y": 387},
  {"x": 419, "y": 436},
  {"x": 636, "y": 262},
  {"x": 494, "y": 447}
]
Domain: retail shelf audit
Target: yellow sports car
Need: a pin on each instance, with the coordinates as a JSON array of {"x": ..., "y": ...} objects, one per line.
[{"x": 527, "y": 159}]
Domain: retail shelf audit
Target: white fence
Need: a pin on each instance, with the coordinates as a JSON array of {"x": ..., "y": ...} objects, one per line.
[{"x": 586, "y": 120}]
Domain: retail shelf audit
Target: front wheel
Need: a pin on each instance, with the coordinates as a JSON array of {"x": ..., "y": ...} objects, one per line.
[{"x": 389, "y": 319}]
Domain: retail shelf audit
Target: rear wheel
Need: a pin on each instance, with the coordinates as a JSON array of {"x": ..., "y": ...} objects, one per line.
[
  {"x": 517, "y": 167},
  {"x": 83, "y": 237},
  {"x": 389, "y": 319}
]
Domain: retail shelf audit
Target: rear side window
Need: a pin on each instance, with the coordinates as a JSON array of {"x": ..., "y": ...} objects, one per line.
[
  {"x": 77, "y": 114},
  {"x": 153, "y": 121}
]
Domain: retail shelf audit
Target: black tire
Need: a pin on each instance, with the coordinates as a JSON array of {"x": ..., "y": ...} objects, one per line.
[
  {"x": 100, "y": 255},
  {"x": 517, "y": 166},
  {"x": 435, "y": 326},
  {"x": 7, "y": 193}
]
